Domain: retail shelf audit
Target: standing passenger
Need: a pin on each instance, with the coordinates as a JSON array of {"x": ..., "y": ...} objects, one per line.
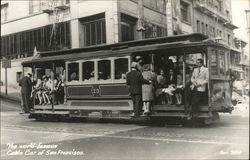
[
  {"x": 26, "y": 85},
  {"x": 199, "y": 81},
  {"x": 147, "y": 89},
  {"x": 135, "y": 81},
  {"x": 139, "y": 62}
]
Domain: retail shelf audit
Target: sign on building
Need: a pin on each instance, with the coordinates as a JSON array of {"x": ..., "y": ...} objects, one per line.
[{"x": 6, "y": 63}]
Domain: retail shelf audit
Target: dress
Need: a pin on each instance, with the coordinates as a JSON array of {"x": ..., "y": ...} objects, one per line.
[{"x": 148, "y": 89}]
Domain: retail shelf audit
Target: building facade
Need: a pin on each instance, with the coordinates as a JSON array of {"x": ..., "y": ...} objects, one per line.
[{"x": 37, "y": 25}]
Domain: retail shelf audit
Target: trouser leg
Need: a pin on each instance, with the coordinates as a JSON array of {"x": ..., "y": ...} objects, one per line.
[
  {"x": 196, "y": 101},
  {"x": 138, "y": 105},
  {"x": 25, "y": 102}
]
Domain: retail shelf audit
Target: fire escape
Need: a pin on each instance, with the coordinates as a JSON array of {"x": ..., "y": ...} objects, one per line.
[{"x": 55, "y": 9}]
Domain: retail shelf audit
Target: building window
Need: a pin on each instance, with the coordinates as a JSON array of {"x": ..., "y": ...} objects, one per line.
[
  {"x": 198, "y": 26},
  {"x": 4, "y": 12},
  {"x": 34, "y": 6},
  {"x": 227, "y": 13},
  {"x": 94, "y": 30},
  {"x": 220, "y": 5},
  {"x": 214, "y": 34},
  {"x": 202, "y": 28},
  {"x": 185, "y": 12},
  {"x": 206, "y": 28},
  {"x": 229, "y": 39},
  {"x": 128, "y": 25},
  {"x": 23, "y": 43}
]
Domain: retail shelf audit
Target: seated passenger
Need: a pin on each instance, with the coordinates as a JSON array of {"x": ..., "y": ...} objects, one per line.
[
  {"x": 73, "y": 77},
  {"x": 179, "y": 89},
  {"x": 59, "y": 90},
  {"x": 171, "y": 85},
  {"x": 47, "y": 86},
  {"x": 38, "y": 91},
  {"x": 161, "y": 84}
]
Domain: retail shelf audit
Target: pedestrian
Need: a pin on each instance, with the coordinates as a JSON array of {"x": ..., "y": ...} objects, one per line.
[
  {"x": 148, "y": 89},
  {"x": 135, "y": 81},
  {"x": 26, "y": 89},
  {"x": 199, "y": 81}
]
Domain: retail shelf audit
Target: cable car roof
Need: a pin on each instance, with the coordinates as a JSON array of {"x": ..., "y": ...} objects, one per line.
[{"x": 177, "y": 42}]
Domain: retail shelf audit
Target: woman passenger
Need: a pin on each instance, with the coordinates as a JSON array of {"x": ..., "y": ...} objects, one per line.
[
  {"x": 179, "y": 88},
  {"x": 147, "y": 89},
  {"x": 161, "y": 83},
  {"x": 38, "y": 91},
  {"x": 171, "y": 84}
]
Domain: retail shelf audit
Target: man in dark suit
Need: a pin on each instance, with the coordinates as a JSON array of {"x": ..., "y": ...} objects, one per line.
[
  {"x": 26, "y": 85},
  {"x": 135, "y": 81}
]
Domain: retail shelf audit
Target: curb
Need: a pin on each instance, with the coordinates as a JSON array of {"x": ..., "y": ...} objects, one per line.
[{"x": 10, "y": 98}]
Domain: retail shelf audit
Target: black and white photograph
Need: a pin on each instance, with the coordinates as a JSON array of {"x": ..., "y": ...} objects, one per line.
[{"x": 125, "y": 79}]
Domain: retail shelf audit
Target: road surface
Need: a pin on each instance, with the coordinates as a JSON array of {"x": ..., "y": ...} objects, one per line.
[{"x": 23, "y": 138}]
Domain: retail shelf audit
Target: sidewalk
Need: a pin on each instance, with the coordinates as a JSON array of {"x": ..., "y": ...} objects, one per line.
[{"x": 13, "y": 94}]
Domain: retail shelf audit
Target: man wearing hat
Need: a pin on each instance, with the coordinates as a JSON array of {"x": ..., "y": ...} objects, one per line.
[
  {"x": 26, "y": 88},
  {"x": 139, "y": 62},
  {"x": 135, "y": 81}
]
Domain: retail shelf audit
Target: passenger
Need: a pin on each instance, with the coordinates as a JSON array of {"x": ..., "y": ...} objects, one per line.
[
  {"x": 47, "y": 86},
  {"x": 135, "y": 81},
  {"x": 161, "y": 84},
  {"x": 38, "y": 91},
  {"x": 59, "y": 90},
  {"x": 73, "y": 77},
  {"x": 139, "y": 61},
  {"x": 187, "y": 88},
  {"x": 26, "y": 90},
  {"x": 148, "y": 89},
  {"x": 171, "y": 84},
  {"x": 179, "y": 89},
  {"x": 199, "y": 81}
]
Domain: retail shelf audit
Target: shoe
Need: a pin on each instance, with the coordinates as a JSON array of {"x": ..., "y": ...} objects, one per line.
[{"x": 132, "y": 114}]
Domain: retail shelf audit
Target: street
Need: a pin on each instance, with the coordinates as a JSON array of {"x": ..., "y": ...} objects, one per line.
[{"x": 23, "y": 138}]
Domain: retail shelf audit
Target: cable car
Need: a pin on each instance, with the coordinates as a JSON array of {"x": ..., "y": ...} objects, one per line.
[{"x": 95, "y": 77}]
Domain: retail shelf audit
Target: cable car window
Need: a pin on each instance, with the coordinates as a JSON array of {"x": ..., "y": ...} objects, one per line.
[
  {"x": 88, "y": 71},
  {"x": 214, "y": 66},
  {"x": 73, "y": 72},
  {"x": 104, "y": 70},
  {"x": 222, "y": 65},
  {"x": 121, "y": 68}
]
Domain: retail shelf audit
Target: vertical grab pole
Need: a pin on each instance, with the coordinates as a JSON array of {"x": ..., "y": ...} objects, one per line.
[
  {"x": 52, "y": 89},
  {"x": 184, "y": 81},
  {"x": 33, "y": 77}
]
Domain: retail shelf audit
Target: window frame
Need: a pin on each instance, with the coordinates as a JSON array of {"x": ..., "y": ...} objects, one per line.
[
  {"x": 4, "y": 7},
  {"x": 121, "y": 80},
  {"x": 184, "y": 6},
  {"x": 81, "y": 72},
  {"x": 67, "y": 72},
  {"x": 96, "y": 81}
]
